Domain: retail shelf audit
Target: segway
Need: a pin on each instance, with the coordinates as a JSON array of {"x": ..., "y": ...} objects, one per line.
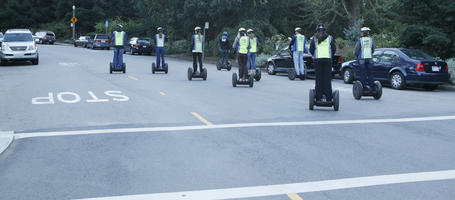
[
  {"x": 117, "y": 69},
  {"x": 292, "y": 75},
  {"x": 192, "y": 75},
  {"x": 257, "y": 74},
  {"x": 334, "y": 102},
  {"x": 220, "y": 66},
  {"x": 154, "y": 69},
  {"x": 358, "y": 92},
  {"x": 236, "y": 81}
]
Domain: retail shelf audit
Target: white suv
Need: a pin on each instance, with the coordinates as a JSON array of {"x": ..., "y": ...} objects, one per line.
[{"x": 18, "y": 45}]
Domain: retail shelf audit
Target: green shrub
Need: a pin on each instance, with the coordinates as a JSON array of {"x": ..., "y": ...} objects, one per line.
[
  {"x": 261, "y": 60},
  {"x": 274, "y": 44},
  {"x": 178, "y": 47}
]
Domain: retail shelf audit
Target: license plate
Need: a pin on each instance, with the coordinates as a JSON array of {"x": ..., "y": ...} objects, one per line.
[
  {"x": 145, "y": 46},
  {"x": 435, "y": 68}
]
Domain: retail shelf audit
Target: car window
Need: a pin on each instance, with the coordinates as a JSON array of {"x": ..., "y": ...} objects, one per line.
[
  {"x": 416, "y": 54},
  {"x": 50, "y": 34},
  {"x": 376, "y": 55},
  {"x": 18, "y": 37},
  {"x": 1, "y": 35},
  {"x": 40, "y": 33},
  {"x": 104, "y": 37},
  {"x": 390, "y": 56}
]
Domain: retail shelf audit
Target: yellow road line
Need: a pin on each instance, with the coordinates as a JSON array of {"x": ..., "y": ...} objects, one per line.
[
  {"x": 132, "y": 78},
  {"x": 294, "y": 196},
  {"x": 162, "y": 93},
  {"x": 201, "y": 119}
]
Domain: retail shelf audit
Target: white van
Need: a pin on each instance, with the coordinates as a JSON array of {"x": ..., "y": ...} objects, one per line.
[{"x": 18, "y": 45}]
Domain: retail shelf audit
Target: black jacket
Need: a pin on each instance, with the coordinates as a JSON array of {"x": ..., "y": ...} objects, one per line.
[{"x": 226, "y": 45}]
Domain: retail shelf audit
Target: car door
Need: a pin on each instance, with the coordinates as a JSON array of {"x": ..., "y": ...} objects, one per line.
[
  {"x": 280, "y": 61},
  {"x": 377, "y": 64},
  {"x": 388, "y": 61}
]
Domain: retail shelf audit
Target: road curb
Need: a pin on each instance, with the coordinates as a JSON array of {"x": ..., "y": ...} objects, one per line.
[{"x": 6, "y": 138}]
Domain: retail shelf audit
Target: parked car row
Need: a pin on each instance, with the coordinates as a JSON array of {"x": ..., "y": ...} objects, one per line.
[
  {"x": 18, "y": 45},
  {"x": 136, "y": 45},
  {"x": 43, "y": 37},
  {"x": 401, "y": 68}
]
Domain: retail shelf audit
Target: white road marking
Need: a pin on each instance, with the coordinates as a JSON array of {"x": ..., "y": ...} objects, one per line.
[
  {"x": 226, "y": 126},
  {"x": 304, "y": 187},
  {"x": 65, "y": 64}
]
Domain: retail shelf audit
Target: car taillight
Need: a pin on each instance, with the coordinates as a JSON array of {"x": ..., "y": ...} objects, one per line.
[
  {"x": 45, "y": 37},
  {"x": 97, "y": 40},
  {"x": 312, "y": 58},
  {"x": 419, "y": 67},
  {"x": 108, "y": 41},
  {"x": 137, "y": 45},
  {"x": 447, "y": 67},
  {"x": 340, "y": 60}
]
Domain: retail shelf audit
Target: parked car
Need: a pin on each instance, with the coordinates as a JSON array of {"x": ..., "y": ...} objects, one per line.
[
  {"x": 100, "y": 41},
  {"x": 82, "y": 41},
  {"x": 139, "y": 46},
  {"x": 282, "y": 62},
  {"x": 401, "y": 68},
  {"x": 18, "y": 45},
  {"x": 43, "y": 37},
  {"x": 1, "y": 36}
]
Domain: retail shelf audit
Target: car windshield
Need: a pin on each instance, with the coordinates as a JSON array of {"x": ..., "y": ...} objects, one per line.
[
  {"x": 50, "y": 34},
  {"x": 143, "y": 41},
  {"x": 102, "y": 37},
  {"x": 18, "y": 37},
  {"x": 416, "y": 54},
  {"x": 40, "y": 33}
]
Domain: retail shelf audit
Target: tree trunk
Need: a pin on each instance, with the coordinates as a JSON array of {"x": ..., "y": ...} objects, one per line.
[{"x": 354, "y": 9}]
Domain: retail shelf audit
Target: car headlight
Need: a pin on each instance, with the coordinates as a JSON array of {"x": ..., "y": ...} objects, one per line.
[
  {"x": 5, "y": 47},
  {"x": 32, "y": 47}
]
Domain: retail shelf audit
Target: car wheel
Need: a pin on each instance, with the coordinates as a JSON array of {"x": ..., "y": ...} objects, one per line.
[
  {"x": 292, "y": 74},
  {"x": 348, "y": 76},
  {"x": 35, "y": 61},
  {"x": 3, "y": 62},
  {"x": 430, "y": 87},
  {"x": 397, "y": 81},
  {"x": 271, "y": 69}
]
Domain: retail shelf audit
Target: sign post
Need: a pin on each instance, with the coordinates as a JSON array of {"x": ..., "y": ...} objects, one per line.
[
  {"x": 206, "y": 27},
  {"x": 107, "y": 25},
  {"x": 74, "y": 20}
]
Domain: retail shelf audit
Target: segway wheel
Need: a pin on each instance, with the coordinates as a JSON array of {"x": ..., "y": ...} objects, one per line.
[
  {"x": 292, "y": 74},
  {"x": 218, "y": 66},
  {"x": 110, "y": 67},
  {"x": 251, "y": 81},
  {"x": 336, "y": 100},
  {"x": 378, "y": 90},
  {"x": 229, "y": 66},
  {"x": 311, "y": 99},
  {"x": 357, "y": 90},
  {"x": 204, "y": 74},
  {"x": 258, "y": 75},
  {"x": 153, "y": 68},
  {"x": 124, "y": 67},
  {"x": 234, "y": 80},
  {"x": 190, "y": 73},
  {"x": 166, "y": 68}
]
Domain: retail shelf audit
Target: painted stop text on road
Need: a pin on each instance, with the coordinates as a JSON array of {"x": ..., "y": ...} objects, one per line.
[{"x": 73, "y": 97}]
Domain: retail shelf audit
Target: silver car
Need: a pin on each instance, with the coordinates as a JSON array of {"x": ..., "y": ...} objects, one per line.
[{"x": 18, "y": 45}]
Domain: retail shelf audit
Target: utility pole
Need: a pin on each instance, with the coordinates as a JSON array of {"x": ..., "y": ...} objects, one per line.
[{"x": 74, "y": 24}]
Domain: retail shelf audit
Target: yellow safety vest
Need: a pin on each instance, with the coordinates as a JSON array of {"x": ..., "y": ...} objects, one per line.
[
  {"x": 119, "y": 38},
  {"x": 253, "y": 45},
  {"x": 197, "y": 44},
  {"x": 367, "y": 45},
  {"x": 243, "y": 45},
  {"x": 323, "y": 49},
  {"x": 160, "y": 41},
  {"x": 300, "y": 42}
]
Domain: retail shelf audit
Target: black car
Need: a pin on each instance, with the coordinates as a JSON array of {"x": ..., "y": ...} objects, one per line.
[
  {"x": 44, "y": 37},
  {"x": 402, "y": 67},
  {"x": 283, "y": 62},
  {"x": 139, "y": 46},
  {"x": 82, "y": 41}
]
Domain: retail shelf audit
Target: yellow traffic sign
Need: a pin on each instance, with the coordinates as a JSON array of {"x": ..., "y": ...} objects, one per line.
[{"x": 74, "y": 20}]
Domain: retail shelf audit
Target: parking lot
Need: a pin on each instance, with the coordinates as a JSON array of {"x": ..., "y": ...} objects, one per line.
[{"x": 80, "y": 132}]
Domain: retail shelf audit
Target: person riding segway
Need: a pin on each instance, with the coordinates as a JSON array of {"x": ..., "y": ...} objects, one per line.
[
  {"x": 224, "y": 49},
  {"x": 252, "y": 51},
  {"x": 119, "y": 42},
  {"x": 160, "y": 44},
  {"x": 197, "y": 48},
  {"x": 242, "y": 50},
  {"x": 322, "y": 48},
  {"x": 298, "y": 48},
  {"x": 364, "y": 50}
]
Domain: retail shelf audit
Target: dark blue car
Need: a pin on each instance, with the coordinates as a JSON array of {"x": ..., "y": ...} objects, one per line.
[{"x": 402, "y": 67}]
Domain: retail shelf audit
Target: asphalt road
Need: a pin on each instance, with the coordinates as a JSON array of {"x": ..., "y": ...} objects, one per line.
[{"x": 81, "y": 132}]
